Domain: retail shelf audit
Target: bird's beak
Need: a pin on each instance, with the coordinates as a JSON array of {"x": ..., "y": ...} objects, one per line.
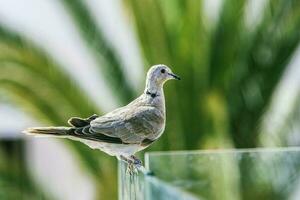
[{"x": 174, "y": 76}]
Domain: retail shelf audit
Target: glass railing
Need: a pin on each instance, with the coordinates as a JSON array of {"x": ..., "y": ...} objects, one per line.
[{"x": 260, "y": 174}]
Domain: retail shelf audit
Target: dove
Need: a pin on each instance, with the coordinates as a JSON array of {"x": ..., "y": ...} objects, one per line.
[{"x": 126, "y": 130}]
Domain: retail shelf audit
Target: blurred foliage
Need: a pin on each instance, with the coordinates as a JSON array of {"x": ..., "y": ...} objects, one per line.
[
  {"x": 229, "y": 70},
  {"x": 103, "y": 53},
  {"x": 15, "y": 181}
]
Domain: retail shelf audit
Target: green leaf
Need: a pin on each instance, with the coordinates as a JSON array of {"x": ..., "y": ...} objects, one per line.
[
  {"x": 35, "y": 81},
  {"x": 104, "y": 54},
  {"x": 271, "y": 47}
]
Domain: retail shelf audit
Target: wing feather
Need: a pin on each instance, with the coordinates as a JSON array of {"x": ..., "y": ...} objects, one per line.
[
  {"x": 131, "y": 127},
  {"x": 123, "y": 127}
]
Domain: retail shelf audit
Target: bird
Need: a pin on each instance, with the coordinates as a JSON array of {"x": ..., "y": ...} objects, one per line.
[{"x": 125, "y": 130}]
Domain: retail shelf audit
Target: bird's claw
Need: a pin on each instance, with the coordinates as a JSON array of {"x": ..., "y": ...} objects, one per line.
[
  {"x": 131, "y": 169},
  {"x": 133, "y": 164}
]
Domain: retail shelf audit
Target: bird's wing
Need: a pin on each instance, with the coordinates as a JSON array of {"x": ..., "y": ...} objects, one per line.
[{"x": 129, "y": 126}]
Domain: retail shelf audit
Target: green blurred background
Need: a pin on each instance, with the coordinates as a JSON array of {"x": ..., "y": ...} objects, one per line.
[{"x": 238, "y": 59}]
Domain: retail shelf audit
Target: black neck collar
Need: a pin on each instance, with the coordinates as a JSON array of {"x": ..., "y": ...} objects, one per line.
[{"x": 153, "y": 95}]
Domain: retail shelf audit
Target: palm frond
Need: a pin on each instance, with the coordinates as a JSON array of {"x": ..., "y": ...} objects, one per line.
[
  {"x": 31, "y": 79},
  {"x": 15, "y": 180},
  {"x": 270, "y": 50},
  {"x": 104, "y": 54}
]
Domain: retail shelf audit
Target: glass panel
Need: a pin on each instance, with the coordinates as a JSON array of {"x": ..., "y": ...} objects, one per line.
[
  {"x": 141, "y": 186},
  {"x": 265, "y": 174},
  {"x": 130, "y": 186}
]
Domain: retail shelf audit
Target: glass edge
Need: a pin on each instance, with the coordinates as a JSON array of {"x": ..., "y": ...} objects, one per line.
[{"x": 219, "y": 151}]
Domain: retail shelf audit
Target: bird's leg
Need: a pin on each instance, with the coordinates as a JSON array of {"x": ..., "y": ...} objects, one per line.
[
  {"x": 128, "y": 161},
  {"x": 134, "y": 163},
  {"x": 136, "y": 160},
  {"x": 130, "y": 165}
]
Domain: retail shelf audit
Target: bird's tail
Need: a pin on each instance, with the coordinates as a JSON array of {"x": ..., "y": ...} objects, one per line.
[{"x": 48, "y": 131}]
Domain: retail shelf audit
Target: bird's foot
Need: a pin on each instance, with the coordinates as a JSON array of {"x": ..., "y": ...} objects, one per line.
[
  {"x": 131, "y": 169},
  {"x": 132, "y": 164},
  {"x": 136, "y": 161}
]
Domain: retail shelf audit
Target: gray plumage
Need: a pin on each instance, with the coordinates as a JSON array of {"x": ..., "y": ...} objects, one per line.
[{"x": 125, "y": 130}]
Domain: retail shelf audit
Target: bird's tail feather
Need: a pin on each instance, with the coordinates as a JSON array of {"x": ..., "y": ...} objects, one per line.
[{"x": 48, "y": 131}]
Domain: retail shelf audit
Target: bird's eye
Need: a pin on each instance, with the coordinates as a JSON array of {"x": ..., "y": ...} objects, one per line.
[{"x": 163, "y": 71}]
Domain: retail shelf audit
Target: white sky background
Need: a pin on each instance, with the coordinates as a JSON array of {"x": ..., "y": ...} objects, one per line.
[{"x": 48, "y": 24}]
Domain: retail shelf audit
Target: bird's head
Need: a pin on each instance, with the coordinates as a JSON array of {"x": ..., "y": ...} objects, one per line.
[{"x": 159, "y": 74}]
